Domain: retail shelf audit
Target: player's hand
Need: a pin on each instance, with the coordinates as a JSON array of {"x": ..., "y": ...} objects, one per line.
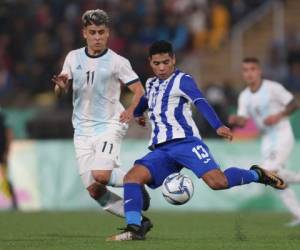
[
  {"x": 225, "y": 132},
  {"x": 126, "y": 116},
  {"x": 233, "y": 119},
  {"x": 141, "y": 120},
  {"x": 61, "y": 81},
  {"x": 273, "y": 119}
]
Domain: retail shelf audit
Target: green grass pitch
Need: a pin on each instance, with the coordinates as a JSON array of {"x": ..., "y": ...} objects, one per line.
[{"x": 190, "y": 230}]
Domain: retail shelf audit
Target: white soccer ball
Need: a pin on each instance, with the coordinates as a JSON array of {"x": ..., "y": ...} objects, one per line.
[{"x": 177, "y": 189}]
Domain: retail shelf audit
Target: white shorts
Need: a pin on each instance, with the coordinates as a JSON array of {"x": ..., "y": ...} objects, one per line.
[
  {"x": 276, "y": 153},
  {"x": 100, "y": 152}
]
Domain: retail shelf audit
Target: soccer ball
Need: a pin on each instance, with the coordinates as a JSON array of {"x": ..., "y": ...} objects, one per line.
[{"x": 177, "y": 189}]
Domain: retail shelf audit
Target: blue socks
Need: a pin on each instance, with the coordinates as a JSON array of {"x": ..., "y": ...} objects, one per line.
[
  {"x": 238, "y": 176},
  {"x": 133, "y": 203}
]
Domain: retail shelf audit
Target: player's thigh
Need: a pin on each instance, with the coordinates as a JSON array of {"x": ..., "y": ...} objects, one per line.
[
  {"x": 276, "y": 155},
  {"x": 138, "y": 174},
  {"x": 107, "y": 149},
  {"x": 193, "y": 154},
  {"x": 215, "y": 179},
  {"x": 84, "y": 153},
  {"x": 96, "y": 157},
  {"x": 159, "y": 165}
]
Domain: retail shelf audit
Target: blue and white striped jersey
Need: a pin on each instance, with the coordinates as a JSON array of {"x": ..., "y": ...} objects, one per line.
[{"x": 169, "y": 107}]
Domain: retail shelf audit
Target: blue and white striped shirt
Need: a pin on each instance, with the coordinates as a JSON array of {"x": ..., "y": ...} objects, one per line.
[{"x": 169, "y": 104}]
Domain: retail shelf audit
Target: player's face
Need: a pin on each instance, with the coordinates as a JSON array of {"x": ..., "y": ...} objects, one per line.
[
  {"x": 163, "y": 65},
  {"x": 96, "y": 37},
  {"x": 251, "y": 73}
]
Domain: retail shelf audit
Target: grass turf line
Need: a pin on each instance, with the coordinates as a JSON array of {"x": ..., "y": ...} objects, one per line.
[{"x": 188, "y": 231}]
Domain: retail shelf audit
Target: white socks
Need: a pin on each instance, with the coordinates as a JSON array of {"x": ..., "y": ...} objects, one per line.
[
  {"x": 116, "y": 178},
  {"x": 290, "y": 200},
  {"x": 289, "y": 176},
  {"x": 112, "y": 203}
]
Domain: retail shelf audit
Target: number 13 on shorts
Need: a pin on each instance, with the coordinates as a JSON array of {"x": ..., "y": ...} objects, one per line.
[{"x": 201, "y": 153}]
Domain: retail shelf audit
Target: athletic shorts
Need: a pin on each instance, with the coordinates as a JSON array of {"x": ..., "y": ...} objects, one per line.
[
  {"x": 101, "y": 152},
  {"x": 170, "y": 157},
  {"x": 276, "y": 152}
]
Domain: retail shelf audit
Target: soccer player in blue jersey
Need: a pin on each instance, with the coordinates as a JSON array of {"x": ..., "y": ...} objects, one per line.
[
  {"x": 175, "y": 141},
  {"x": 99, "y": 119}
]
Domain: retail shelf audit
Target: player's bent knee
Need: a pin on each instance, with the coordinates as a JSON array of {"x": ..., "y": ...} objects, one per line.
[
  {"x": 96, "y": 190},
  {"x": 216, "y": 180},
  {"x": 138, "y": 174},
  {"x": 102, "y": 178},
  {"x": 217, "y": 185}
]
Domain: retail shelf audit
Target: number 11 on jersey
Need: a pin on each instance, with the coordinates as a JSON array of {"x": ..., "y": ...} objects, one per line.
[{"x": 90, "y": 77}]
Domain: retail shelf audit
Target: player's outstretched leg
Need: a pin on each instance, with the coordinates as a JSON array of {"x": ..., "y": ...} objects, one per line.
[
  {"x": 269, "y": 178},
  {"x": 290, "y": 177},
  {"x": 133, "y": 199},
  {"x": 116, "y": 180}
]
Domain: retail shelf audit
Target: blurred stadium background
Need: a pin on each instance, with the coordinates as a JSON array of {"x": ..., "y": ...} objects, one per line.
[{"x": 210, "y": 39}]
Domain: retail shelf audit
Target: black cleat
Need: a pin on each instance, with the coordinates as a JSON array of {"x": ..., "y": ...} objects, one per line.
[
  {"x": 131, "y": 232},
  {"x": 146, "y": 224},
  {"x": 146, "y": 198},
  {"x": 269, "y": 178}
]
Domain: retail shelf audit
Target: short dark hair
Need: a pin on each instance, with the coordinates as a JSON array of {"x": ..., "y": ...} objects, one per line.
[
  {"x": 251, "y": 60},
  {"x": 97, "y": 17},
  {"x": 160, "y": 47}
]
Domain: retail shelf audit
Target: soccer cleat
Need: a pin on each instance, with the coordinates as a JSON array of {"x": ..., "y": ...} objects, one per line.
[
  {"x": 146, "y": 224},
  {"x": 294, "y": 223},
  {"x": 269, "y": 178},
  {"x": 146, "y": 198},
  {"x": 131, "y": 232}
]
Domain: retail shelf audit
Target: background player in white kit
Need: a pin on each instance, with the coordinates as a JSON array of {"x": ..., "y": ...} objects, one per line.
[
  {"x": 270, "y": 104},
  {"x": 99, "y": 119}
]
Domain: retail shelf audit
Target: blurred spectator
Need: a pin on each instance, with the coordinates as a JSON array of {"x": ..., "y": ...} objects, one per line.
[
  {"x": 5, "y": 79},
  {"x": 293, "y": 79},
  {"x": 197, "y": 23},
  {"x": 275, "y": 68},
  {"x": 174, "y": 31},
  {"x": 238, "y": 9},
  {"x": 220, "y": 20},
  {"x": 34, "y": 35}
]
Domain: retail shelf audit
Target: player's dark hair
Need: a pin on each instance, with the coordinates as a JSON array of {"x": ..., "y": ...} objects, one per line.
[
  {"x": 251, "y": 60},
  {"x": 160, "y": 47},
  {"x": 97, "y": 17}
]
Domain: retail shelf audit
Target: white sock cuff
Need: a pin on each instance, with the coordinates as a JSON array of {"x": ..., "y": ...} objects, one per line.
[{"x": 116, "y": 178}]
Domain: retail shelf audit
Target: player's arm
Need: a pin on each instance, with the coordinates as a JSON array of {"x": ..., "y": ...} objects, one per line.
[
  {"x": 240, "y": 120},
  {"x": 237, "y": 120},
  {"x": 62, "y": 84},
  {"x": 63, "y": 81},
  {"x": 190, "y": 89},
  {"x": 138, "y": 91},
  {"x": 290, "y": 108},
  {"x": 287, "y": 99},
  {"x": 138, "y": 112}
]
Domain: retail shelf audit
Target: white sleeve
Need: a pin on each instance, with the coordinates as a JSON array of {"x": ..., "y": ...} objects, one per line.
[
  {"x": 243, "y": 106},
  {"x": 281, "y": 94},
  {"x": 125, "y": 72},
  {"x": 67, "y": 67}
]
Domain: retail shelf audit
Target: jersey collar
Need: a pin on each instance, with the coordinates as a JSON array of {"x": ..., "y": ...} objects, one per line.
[
  {"x": 91, "y": 56},
  {"x": 175, "y": 72}
]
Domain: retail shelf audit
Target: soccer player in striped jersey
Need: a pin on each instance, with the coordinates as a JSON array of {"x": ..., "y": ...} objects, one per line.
[
  {"x": 175, "y": 141},
  {"x": 270, "y": 104},
  {"x": 99, "y": 119}
]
